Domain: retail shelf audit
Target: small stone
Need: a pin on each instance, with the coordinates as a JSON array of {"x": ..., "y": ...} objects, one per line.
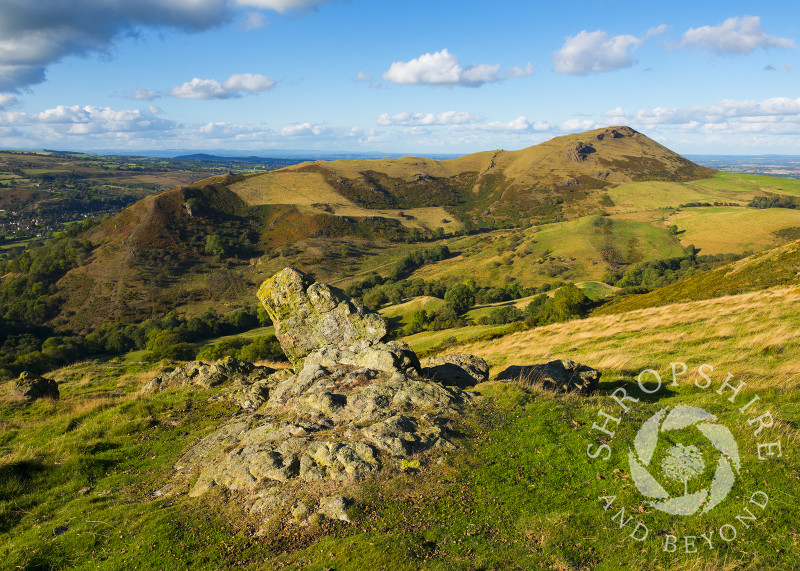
[
  {"x": 60, "y": 530},
  {"x": 334, "y": 507},
  {"x": 560, "y": 376}
]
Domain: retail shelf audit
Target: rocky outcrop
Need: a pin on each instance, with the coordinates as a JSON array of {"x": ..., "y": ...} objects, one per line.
[
  {"x": 456, "y": 369},
  {"x": 309, "y": 316},
  {"x": 579, "y": 152},
  {"x": 353, "y": 406},
  {"x": 31, "y": 387},
  {"x": 251, "y": 382},
  {"x": 561, "y": 376}
]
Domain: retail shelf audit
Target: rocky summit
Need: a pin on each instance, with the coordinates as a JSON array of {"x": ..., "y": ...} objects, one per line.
[{"x": 353, "y": 406}]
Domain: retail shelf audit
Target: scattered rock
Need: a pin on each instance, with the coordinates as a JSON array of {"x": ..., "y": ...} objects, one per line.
[
  {"x": 309, "y": 316},
  {"x": 560, "y": 376},
  {"x": 31, "y": 387},
  {"x": 225, "y": 371},
  {"x": 569, "y": 181},
  {"x": 60, "y": 530},
  {"x": 456, "y": 369}
]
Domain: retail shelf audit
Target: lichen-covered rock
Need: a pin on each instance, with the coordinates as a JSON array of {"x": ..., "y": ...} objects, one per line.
[
  {"x": 562, "y": 376},
  {"x": 352, "y": 406},
  {"x": 456, "y": 369},
  {"x": 225, "y": 371},
  {"x": 309, "y": 316},
  {"x": 31, "y": 387}
]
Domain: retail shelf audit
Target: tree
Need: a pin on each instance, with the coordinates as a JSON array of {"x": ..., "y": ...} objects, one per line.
[
  {"x": 460, "y": 297},
  {"x": 215, "y": 246}
]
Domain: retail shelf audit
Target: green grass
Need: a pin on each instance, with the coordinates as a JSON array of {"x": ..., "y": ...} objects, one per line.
[
  {"x": 723, "y": 187},
  {"x": 520, "y": 492},
  {"x": 576, "y": 250}
]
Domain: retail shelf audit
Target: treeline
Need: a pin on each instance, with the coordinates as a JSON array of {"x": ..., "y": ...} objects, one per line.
[
  {"x": 651, "y": 275},
  {"x": 170, "y": 337},
  {"x": 774, "y": 202},
  {"x": 703, "y": 204},
  {"x": 568, "y": 302}
]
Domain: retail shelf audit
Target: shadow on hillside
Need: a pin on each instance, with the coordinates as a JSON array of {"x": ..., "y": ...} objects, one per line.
[{"x": 632, "y": 389}]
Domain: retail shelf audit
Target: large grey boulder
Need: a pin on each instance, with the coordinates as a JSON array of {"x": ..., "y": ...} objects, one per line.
[
  {"x": 456, "y": 369},
  {"x": 309, "y": 316},
  {"x": 30, "y": 387},
  {"x": 561, "y": 376}
]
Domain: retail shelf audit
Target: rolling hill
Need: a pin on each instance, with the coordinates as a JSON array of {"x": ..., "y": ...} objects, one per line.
[{"x": 571, "y": 208}]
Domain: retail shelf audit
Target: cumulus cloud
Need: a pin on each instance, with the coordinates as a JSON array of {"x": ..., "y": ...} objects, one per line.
[
  {"x": 777, "y": 115},
  {"x": 517, "y": 72},
  {"x": 441, "y": 69},
  {"x": 733, "y": 36},
  {"x": 236, "y": 85},
  {"x": 460, "y": 121},
  {"x": 142, "y": 94},
  {"x": 79, "y": 120},
  {"x": 7, "y": 101},
  {"x": 417, "y": 119},
  {"x": 589, "y": 52},
  {"x": 37, "y": 33},
  {"x": 304, "y": 129}
]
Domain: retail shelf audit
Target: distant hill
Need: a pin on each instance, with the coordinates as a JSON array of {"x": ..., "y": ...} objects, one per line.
[{"x": 547, "y": 206}]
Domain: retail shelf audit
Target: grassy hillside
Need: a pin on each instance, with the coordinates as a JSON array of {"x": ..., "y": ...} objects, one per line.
[
  {"x": 779, "y": 266},
  {"x": 520, "y": 490}
]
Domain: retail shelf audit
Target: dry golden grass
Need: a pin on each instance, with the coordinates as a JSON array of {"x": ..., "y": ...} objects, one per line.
[
  {"x": 751, "y": 335},
  {"x": 311, "y": 193},
  {"x": 721, "y": 230}
]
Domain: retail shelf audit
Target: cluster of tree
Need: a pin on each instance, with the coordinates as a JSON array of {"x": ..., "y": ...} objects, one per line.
[
  {"x": 651, "y": 275},
  {"x": 430, "y": 320},
  {"x": 568, "y": 302},
  {"x": 170, "y": 337},
  {"x": 174, "y": 336},
  {"x": 702, "y": 204},
  {"x": 264, "y": 348},
  {"x": 774, "y": 202}
]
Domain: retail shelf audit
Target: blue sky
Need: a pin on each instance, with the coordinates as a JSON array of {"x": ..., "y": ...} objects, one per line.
[{"x": 418, "y": 77}]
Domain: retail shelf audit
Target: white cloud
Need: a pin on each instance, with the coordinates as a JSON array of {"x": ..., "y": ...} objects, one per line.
[
  {"x": 417, "y": 119},
  {"x": 304, "y": 130},
  {"x": 589, "y": 52},
  {"x": 142, "y": 94},
  {"x": 7, "y": 101},
  {"x": 441, "y": 69},
  {"x": 235, "y": 86},
  {"x": 282, "y": 5},
  {"x": 733, "y": 36},
  {"x": 73, "y": 120},
  {"x": 517, "y": 72},
  {"x": 363, "y": 76},
  {"x": 656, "y": 31},
  {"x": 778, "y": 115}
]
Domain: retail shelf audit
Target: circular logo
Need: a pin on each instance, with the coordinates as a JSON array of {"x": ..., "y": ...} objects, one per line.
[{"x": 674, "y": 445}]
